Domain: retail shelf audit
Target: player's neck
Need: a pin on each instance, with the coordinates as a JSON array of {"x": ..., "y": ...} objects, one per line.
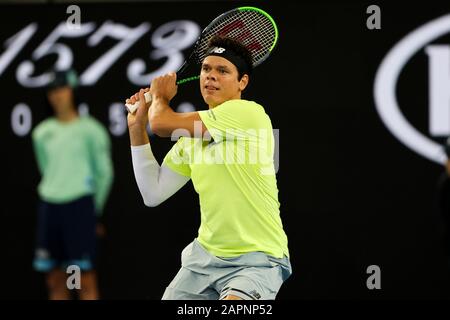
[{"x": 211, "y": 106}]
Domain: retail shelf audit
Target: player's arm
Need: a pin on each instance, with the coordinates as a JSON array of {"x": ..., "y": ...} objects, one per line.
[
  {"x": 163, "y": 120},
  {"x": 137, "y": 122},
  {"x": 156, "y": 183}
]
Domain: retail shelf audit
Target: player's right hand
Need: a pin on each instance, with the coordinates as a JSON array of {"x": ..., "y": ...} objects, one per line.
[{"x": 140, "y": 117}]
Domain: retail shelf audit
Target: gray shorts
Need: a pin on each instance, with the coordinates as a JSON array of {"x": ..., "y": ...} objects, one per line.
[{"x": 203, "y": 276}]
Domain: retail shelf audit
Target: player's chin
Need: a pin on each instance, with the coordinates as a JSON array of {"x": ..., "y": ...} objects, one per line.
[{"x": 211, "y": 99}]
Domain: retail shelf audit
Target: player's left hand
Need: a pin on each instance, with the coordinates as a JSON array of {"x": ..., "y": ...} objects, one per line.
[{"x": 164, "y": 87}]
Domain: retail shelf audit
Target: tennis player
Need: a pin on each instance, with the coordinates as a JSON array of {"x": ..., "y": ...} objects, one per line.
[{"x": 227, "y": 151}]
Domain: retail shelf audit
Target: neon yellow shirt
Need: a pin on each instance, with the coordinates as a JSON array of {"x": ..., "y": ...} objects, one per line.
[
  {"x": 234, "y": 176},
  {"x": 74, "y": 160}
]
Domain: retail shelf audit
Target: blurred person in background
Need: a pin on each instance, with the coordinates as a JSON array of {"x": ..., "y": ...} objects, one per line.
[{"x": 74, "y": 158}]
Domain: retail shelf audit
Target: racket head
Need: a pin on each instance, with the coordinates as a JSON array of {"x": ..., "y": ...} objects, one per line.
[{"x": 251, "y": 26}]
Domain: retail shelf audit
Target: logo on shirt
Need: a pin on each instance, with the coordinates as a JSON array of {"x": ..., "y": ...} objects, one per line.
[
  {"x": 255, "y": 294},
  {"x": 211, "y": 114}
]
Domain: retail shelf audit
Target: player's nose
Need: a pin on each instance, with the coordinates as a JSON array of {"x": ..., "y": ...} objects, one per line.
[{"x": 211, "y": 76}]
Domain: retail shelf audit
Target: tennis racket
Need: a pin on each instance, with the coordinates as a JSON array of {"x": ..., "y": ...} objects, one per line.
[{"x": 251, "y": 26}]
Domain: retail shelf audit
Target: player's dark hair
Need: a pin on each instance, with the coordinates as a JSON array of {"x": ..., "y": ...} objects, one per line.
[{"x": 238, "y": 48}]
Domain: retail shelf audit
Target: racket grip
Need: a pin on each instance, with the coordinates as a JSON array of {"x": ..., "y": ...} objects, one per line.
[{"x": 131, "y": 108}]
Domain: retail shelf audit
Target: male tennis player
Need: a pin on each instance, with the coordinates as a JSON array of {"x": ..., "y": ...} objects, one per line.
[{"x": 241, "y": 250}]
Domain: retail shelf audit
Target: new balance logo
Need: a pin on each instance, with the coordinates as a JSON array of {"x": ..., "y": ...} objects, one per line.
[
  {"x": 218, "y": 50},
  {"x": 255, "y": 294}
]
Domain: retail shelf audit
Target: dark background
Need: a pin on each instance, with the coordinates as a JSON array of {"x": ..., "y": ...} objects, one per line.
[{"x": 351, "y": 195}]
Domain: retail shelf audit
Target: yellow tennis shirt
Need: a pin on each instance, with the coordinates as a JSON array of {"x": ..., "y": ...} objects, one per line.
[{"x": 234, "y": 175}]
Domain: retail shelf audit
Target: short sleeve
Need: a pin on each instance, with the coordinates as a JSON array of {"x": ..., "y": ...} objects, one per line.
[{"x": 234, "y": 119}]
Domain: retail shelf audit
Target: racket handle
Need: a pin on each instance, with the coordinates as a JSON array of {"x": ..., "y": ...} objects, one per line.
[{"x": 131, "y": 108}]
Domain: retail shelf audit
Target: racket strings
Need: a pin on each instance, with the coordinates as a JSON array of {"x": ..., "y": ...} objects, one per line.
[
  {"x": 263, "y": 33},
  {"x": 249, "y": 27}
]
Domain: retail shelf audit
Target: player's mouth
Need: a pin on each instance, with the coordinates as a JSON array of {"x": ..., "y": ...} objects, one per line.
[{"x": 211, "y": 88}]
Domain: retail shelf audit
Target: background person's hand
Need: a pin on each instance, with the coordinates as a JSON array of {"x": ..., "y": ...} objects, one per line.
[
  {"x": 447, "y": 167},
  {"x": 100, "y": 230}
]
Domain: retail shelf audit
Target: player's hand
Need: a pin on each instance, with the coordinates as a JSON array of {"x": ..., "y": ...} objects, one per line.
[
  {"x": 164, "y": 87},
  {"x": 139, "y": 118}
]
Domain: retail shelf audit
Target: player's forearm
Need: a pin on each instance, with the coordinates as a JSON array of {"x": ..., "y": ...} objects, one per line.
[
  {"x": 138, "y": 135},
  {"x": 161, "y": 117}
]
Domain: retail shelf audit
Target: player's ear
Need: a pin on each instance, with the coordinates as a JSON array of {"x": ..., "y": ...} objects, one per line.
[{"x": 243, "y": 82}]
